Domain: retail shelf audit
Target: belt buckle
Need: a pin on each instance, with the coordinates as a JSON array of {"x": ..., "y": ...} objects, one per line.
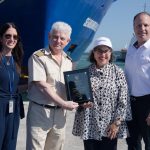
[
  {"x": 43, "y": 105},
  {"x": 56, "y": 107}
]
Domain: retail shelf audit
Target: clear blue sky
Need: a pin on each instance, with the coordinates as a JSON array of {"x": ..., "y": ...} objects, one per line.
[{"x": 117, "y": 24}]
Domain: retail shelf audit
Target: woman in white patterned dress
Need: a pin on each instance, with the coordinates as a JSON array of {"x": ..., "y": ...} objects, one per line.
[{"x": 102, "y": 124}]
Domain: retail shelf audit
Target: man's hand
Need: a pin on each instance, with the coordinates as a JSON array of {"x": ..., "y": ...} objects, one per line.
[{"x": 70, "y": 105}]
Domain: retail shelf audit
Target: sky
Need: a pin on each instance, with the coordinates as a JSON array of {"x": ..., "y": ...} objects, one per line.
[{"x": 117, "y": 24}]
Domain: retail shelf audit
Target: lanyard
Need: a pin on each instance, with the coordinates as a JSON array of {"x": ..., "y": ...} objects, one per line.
[{"x": 9, "y": 72}]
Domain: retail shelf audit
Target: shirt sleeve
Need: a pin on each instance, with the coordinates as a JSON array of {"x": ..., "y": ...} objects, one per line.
[
  {"x": 36, "y": 69},
  {"x": 123, "y": 110}
]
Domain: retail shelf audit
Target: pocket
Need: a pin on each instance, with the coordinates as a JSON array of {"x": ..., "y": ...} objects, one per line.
[
  {"x": 145, "y": 60},
  {"x": 145, "y": 66}
]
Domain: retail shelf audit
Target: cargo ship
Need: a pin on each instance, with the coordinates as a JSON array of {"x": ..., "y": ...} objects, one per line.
[{"x": 35, "y": 17}]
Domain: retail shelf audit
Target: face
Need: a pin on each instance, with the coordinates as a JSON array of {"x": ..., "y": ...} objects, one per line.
[
  {"x": 9, "y": 39},
  {"x": 142, "y": 28},
  {"x": 58, "y": 40},
  {"x": 102, "y": 55}
]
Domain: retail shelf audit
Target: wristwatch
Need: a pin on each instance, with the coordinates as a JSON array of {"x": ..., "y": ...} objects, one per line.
[{"x": 117, "y": 122}]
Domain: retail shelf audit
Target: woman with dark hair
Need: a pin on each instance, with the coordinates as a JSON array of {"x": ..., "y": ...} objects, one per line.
[
  {"x": 11, "y": 55},
  {"x": 103, "y": 123}
]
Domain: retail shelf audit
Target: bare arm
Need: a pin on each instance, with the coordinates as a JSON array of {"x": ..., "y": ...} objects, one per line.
[{"x": 47, "y": 90}]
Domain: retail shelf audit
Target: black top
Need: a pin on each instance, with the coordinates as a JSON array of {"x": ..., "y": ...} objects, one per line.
[{"x": 8, "y": 75}]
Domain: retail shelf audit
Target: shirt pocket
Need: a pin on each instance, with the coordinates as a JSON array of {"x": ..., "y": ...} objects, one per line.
[
  {"x": 145, "y": 65},
  {"x": 145, "y": 60}
]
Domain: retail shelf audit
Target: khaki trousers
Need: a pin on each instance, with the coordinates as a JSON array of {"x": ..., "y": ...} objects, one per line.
[{"x": 45, "y": 128}]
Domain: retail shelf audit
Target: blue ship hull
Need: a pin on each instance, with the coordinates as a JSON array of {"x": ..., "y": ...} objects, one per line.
[{"x": 35, "y": 17}]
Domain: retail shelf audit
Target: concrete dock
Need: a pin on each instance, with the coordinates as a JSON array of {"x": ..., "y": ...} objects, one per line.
[{"x": 71, "y": 143}]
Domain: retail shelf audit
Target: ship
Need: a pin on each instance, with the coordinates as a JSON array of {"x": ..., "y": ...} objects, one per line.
[
  {"x": 122, "y": 55},
  {"x": 123, "y": 51},
  {"x": 35, "y": 17}
]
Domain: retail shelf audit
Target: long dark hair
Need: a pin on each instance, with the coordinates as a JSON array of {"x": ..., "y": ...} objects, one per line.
[{"x": 17, "y": 51}]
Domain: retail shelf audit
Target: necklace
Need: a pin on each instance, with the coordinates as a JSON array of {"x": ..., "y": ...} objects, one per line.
[{"x": 8, "y": 60}]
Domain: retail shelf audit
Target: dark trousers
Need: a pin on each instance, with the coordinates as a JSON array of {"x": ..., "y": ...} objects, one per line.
[
  {"x": 138, "y": 127},
  {"x": 104, "y": 144},
  {"x": 9, "y": 124}
]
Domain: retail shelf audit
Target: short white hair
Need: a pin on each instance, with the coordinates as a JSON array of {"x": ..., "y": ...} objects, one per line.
[{"x": 63, "y": 27}]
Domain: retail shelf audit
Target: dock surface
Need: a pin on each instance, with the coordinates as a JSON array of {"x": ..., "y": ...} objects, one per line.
[{"x": 71, "y": 142}]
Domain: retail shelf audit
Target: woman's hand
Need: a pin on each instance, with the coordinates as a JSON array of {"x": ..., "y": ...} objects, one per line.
[
  {"x": 87, "y": 105},
  {"x": 113, "y": 130},
  {"x": 148, "y": 120}
]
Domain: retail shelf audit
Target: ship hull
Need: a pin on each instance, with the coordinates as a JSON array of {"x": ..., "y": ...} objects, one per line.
[{"x": 34, "y": 19}]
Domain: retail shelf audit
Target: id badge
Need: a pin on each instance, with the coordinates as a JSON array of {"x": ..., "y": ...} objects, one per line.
[{"x": 11, "y": 106}]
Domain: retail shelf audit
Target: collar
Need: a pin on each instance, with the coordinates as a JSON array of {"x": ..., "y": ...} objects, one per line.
[
  {"x": 146, "y": 44},
  {"x": 48, "y": 52}
]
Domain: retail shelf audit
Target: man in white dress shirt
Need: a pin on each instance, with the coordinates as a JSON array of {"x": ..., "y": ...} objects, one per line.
[{"x": 137, "y": 70}]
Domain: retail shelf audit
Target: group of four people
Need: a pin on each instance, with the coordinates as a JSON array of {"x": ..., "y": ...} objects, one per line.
[{"x": 100, "y": 123}]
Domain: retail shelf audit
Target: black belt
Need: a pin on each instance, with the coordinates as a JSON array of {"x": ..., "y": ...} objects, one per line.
[
  {"x": 47, "y": 106},
  {"x": 133, "y": 98}
]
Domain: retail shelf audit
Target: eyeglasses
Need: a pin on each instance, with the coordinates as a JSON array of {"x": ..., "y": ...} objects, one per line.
[
  {"x": 9, "y": 36},
  {"x": 102, "y": 50}
]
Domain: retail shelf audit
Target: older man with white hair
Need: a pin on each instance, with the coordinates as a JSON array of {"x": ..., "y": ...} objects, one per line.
[{"x": 46, "y": 118}]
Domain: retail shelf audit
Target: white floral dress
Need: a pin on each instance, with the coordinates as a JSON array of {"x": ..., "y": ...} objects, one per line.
[{"x": 111, "y": 101}]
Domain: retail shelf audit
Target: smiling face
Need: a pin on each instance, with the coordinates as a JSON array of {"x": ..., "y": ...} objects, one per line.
[
  {"x": 142, "y": 28},
  {"x": 102, "y": 55},
  {"x": 58, "y": 40},
  {"x": 9, "y": 39}
]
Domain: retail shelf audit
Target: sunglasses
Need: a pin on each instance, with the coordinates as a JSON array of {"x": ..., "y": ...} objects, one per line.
[{"x": 9, "y": 36}]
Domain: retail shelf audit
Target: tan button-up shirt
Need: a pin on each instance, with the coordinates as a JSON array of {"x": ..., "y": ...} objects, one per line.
[{"x": 43, "y": 67}]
